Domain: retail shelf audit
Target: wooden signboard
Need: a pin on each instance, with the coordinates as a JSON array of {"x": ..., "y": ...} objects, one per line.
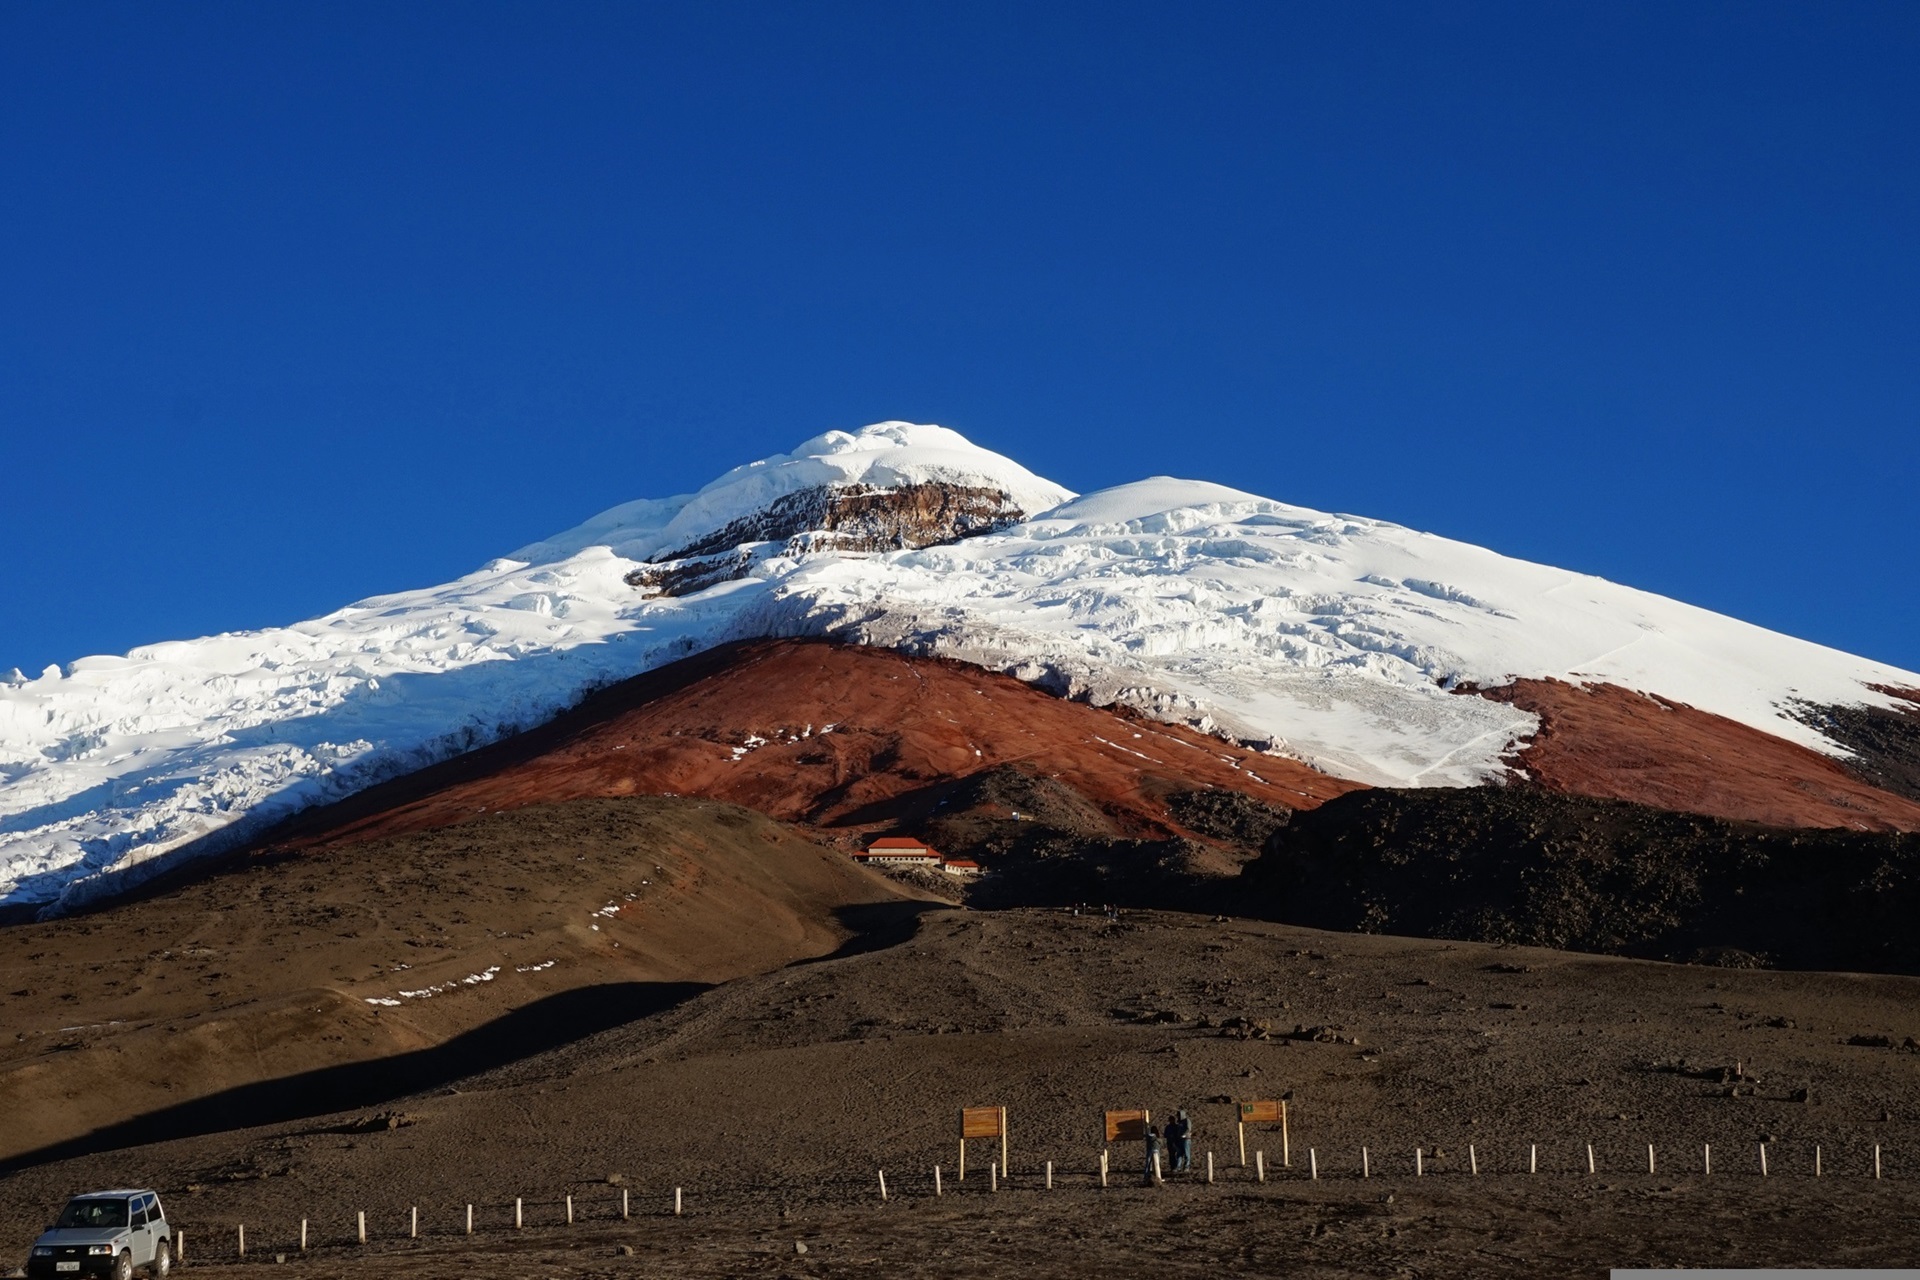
[
  {"x": 982, "y": 1122},
  {"x": 1128, "y": 1126},
  {"x": 1265, "y": 1113}
]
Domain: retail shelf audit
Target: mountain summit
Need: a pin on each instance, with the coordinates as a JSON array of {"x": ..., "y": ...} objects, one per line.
[{"x": 1366, "y": 650}]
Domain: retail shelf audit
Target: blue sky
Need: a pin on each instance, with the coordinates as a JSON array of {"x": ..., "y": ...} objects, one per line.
[{"x": 306, "y": 302}]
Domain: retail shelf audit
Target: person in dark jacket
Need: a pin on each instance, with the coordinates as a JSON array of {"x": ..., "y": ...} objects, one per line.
[
  {"x": 1180, "y": 1140},
  {"x": 1156, "y": 1153}
]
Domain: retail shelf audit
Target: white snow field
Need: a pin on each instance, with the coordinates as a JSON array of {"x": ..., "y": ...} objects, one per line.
[{"x": 1329, "y": 638}]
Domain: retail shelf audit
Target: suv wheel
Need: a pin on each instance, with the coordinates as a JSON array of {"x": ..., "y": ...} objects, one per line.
[
  {"x": 123, "y": 1266},
  {"x": 162, "y": 1261}
]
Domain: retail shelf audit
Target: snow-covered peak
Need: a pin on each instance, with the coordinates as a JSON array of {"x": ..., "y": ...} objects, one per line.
[
  {"x": 885, "y": 455},
  {"x": 1335, "y": 638},
  {"x": 1156, "y": 495}
]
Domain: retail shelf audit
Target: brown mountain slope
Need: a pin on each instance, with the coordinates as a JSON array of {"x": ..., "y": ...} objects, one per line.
[
  {"x": 825, "y": 734},
  {"x": 1614, "y": 744},
  {"x": 394, "y": 964}
]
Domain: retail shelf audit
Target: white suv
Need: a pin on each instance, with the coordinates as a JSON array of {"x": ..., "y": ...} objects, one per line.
[{"x": 105, "y": 1233}]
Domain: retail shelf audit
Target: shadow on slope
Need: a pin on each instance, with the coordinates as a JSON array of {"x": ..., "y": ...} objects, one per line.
[
  {"x": 1046, "y": 842},
  {"x": 1520, "y": 865},
  {"x": 285, "y": 967},
  {"x": 876, "y": 926},
  {"x": 546, "y": 1024}
]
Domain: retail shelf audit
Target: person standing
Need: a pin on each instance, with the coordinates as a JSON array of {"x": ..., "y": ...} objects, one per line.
[
  {"x": 1180, "y": 1140},
  {"x": 1156, "y": 1154}
]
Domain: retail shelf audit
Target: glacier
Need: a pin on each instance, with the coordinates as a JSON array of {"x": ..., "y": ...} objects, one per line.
[{"x": 1334, "y": 639}]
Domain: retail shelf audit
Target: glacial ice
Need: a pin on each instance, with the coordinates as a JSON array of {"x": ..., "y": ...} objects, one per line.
[{"x": 1330, "y": 638}]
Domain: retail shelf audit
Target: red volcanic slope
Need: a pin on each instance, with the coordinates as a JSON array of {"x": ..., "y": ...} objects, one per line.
[
  {"x": 823, "y": 734},
  {"x": 1604, "y": 741}
]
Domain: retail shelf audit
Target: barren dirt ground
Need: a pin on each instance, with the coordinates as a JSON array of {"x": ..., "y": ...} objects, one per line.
[
  {"x": 511, "y": 931},
  {"x": 774, "y": 1101}
]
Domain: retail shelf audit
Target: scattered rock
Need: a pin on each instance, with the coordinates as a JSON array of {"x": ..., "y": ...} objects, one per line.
[
  {"x": 624, "y": 1251},
  {"x": 799, "y": 1246},
  {"x": 1246, "y": 1029}
]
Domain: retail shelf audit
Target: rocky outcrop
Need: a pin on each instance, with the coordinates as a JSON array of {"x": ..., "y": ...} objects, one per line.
[
  {"x": 856, "y": 518},
  {"x": 1521, "y": 865},
  {"x": 841, "y": 738},
  {"x": 1612, "y": 743},
  {"x": 1885, "y": 741}
]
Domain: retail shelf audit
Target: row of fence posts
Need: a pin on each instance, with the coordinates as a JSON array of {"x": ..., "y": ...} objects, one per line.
[
  {"x": 1366, "y": 1165},
  {"x": 1533, "y": 1162},
  {"x": 413, "y": 1222},
  {"x": 993, "y": 1184}
]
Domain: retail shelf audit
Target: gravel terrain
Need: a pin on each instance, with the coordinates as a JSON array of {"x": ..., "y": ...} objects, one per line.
[{"x": 775, "y": 1101}]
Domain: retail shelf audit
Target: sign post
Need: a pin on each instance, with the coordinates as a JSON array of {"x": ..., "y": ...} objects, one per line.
[
  {"x": 1264, "y": 1113},
  {"x": 1128, "y": 1126},
  {"x": 982, "y": 1122},
  {"x": 1124, "y": 1126}
]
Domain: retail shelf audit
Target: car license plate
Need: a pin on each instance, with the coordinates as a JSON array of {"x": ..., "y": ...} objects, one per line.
[{"x": 66, "y": 1266}]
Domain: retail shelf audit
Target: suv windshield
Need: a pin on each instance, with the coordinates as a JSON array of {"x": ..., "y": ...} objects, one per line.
[{"x": 93, "y": 1213}]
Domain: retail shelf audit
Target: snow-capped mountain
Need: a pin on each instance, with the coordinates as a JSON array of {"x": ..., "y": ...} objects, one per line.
[{"x": 1333, "y": 639}]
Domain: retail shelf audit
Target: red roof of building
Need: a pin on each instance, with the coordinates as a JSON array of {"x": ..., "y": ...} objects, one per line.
[
  {"x": 897, "y": 842},
  {"x": 963, "y": 862}
]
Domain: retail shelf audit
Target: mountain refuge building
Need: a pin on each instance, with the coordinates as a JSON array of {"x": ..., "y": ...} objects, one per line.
[{"x": 904, "y": 851}]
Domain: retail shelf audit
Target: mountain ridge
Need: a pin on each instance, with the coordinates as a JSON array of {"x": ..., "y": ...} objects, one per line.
[{"x": 1332, "y": 640}]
